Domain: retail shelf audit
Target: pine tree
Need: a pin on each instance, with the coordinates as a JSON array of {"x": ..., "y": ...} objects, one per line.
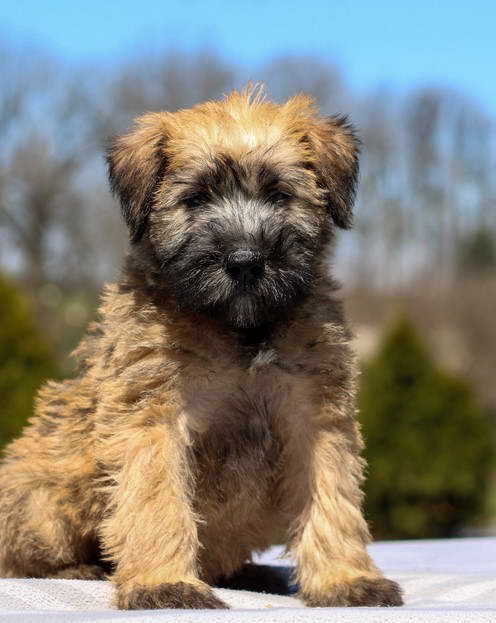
[
  {"x": 428, "y": 443},
  {"x": 25, "y": 361},
  {"x": 477, "y": 251}
]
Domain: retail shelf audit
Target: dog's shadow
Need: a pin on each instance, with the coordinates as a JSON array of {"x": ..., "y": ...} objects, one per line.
[{"x": 261, "y": 579}]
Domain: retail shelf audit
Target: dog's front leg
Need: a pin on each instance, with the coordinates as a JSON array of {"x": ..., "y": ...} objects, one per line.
[
  {"x": 333, "y": 566},
  {"x": 150, "y": 532}
]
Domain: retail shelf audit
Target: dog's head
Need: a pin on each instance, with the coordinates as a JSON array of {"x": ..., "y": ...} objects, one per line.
[{"x": 238, "y": 200}]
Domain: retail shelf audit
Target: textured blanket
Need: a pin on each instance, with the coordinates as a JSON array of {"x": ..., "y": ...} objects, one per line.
[{"x": 451, "y": 581}]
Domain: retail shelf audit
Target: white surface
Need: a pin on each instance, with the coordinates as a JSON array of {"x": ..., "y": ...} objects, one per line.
[{"x": 443, "y": 581}]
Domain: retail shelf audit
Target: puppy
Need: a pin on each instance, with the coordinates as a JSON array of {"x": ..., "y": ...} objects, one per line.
[{"x": 215, "y": 404}]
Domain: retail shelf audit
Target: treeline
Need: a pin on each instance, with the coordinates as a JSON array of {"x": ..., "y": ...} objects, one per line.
[{"x": 427, "y": 191}]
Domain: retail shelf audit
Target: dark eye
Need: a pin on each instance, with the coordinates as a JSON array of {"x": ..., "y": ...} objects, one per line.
[
  {"x": 279, "y": 196},
  {"x": 196, "y": 200}
]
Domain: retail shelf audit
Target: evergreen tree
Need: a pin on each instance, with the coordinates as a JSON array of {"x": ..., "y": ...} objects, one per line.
[
  {"x": 25, "y": 361},
  {"x": 477, "y": 251},
  {"x": 428, "y": 444}
]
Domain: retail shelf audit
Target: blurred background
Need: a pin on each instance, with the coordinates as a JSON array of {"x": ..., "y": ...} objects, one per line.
[{"x": 419, "y": 269}]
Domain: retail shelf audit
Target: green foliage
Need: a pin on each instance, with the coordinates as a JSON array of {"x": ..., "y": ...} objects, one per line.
[
  {"x": 428, "y": 444},
  {"x": 25, "y": 361}
]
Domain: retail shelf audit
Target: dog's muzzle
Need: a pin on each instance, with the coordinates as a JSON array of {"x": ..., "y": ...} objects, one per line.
[{"x": 245, "y": 266}]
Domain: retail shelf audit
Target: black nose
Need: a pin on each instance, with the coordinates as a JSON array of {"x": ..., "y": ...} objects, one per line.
[{"x": 245, "y": 265}]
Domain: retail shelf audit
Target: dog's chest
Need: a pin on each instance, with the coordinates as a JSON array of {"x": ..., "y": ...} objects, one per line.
[
  {"x": 241, "y": 413},
  {"x": 239, "y": 451},
  {"x": 243, "y": 426}
]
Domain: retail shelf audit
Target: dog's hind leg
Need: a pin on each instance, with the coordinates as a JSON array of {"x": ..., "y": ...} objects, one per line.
[
  {"x": 80, "y": 572},
  {"x": 41, "y": 535},
  {"x": 259, "y": 579}
]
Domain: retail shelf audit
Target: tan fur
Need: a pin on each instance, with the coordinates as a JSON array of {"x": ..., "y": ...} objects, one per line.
[{"x": 178, "y": 451}]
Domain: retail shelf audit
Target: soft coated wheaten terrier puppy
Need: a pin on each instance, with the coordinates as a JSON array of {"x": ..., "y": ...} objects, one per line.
[{"x": 215, "y": 405}]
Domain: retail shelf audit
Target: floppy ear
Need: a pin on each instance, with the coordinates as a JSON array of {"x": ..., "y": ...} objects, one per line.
[
  {"x": 136, "y": 164},
  {"x": 336, "y": 151}
]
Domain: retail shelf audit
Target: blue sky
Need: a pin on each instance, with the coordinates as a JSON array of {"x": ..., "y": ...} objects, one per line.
[{"x": 379, "y": 43}]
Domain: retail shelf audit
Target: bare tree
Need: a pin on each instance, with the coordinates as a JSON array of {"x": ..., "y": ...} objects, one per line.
[{"x": 287, "y": 75}]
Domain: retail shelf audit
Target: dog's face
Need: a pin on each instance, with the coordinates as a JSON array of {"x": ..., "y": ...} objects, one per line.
[{"x": 238, "y": 200}]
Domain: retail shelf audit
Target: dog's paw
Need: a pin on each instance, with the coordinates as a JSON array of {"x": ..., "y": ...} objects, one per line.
[
  {"x": 360, "y": 592},
  {"x": 177, "y": 595}
]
